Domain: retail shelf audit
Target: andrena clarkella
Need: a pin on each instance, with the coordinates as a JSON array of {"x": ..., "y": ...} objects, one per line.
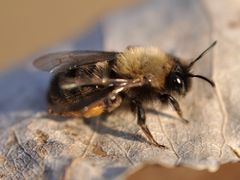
[{"x": 90, "y": 83}]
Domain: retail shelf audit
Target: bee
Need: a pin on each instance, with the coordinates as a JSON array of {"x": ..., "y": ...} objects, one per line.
[{"x": 89, "y": 83}]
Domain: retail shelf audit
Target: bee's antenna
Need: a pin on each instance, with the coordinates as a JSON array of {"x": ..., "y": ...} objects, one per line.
[
  {"x": 201, "y": 55},
  {"x": 202, "y": 77}
]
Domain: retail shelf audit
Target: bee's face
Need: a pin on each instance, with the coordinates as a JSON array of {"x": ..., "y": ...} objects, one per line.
[{"x": 178, "y": 80}]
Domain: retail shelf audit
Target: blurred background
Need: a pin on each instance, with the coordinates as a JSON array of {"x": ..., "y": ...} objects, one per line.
[{"x": 28, "y": 26}]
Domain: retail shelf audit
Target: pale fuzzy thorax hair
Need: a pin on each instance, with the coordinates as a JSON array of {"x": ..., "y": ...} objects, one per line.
[{"x": 139, "y": 62}]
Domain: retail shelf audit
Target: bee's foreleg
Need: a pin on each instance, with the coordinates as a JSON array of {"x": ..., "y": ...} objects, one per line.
[
  {"x": 136, "y": 106},
  {"x": 166, "y": 98}
]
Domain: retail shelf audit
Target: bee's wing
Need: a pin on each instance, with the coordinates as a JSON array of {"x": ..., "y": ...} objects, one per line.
[
  {"x": 90, "y": 94},
  {"x": 87, "y": 97},
  {"x": 60, "y": 61}
]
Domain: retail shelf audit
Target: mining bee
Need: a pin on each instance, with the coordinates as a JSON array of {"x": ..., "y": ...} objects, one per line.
[{"x": 90, "y": 83}]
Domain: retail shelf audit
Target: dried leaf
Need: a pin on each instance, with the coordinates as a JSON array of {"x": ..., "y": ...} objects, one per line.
[{"x": 35, "y": 145}]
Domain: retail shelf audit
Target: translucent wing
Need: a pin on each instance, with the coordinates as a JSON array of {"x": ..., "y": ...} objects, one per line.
[
  {"x": 60, "y": 61},
  {"x": 77, "y": 100},
  {"x": 79, "y": 94}
]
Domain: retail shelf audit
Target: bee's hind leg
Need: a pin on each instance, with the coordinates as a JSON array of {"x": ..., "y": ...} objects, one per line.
[{"x": 141, "y": 120}]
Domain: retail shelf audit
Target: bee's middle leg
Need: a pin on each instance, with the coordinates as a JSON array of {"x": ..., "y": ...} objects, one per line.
[{"x": 136, "y": 106}]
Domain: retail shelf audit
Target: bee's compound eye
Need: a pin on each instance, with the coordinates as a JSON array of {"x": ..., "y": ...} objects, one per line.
[
  {"x": 176, "y": 83},
  {"x": 178, "y": 80}
]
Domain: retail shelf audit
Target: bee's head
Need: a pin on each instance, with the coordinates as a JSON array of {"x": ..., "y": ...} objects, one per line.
[{"x": 179, "y": 79}]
